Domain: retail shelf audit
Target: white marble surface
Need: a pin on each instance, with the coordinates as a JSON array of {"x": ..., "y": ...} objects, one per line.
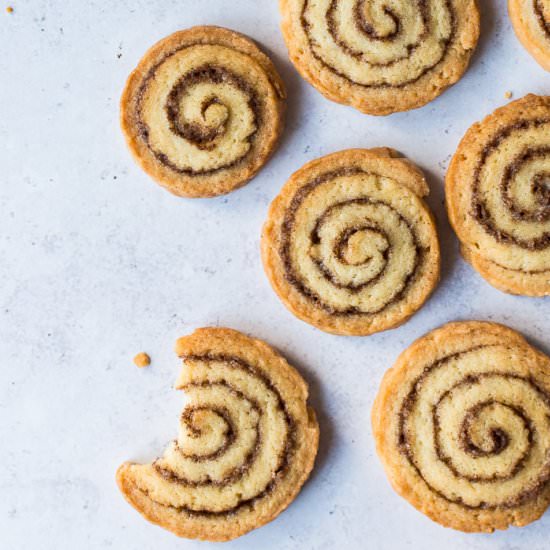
[{"x": 98, "y": 263}]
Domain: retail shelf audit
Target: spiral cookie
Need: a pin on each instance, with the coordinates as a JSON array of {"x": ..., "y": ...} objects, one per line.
[
  {"x": 202, "y": 112},
  {"x": 498, "y": 196},
  {"x": 246, "y": 445},
  {"x": 381, "y": 56},
  {"x": 349, "y": 245},
  {"x": 462, "y": 426},
  {"x": 531, "y": 21}
]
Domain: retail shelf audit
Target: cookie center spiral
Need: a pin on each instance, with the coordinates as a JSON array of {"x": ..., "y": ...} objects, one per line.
[
  {"x": 476, "y": 431},
  {"x": 235, "y": 443},
  {"x": 210, "y": 109},
  {"x": 352, "y": 241},
  {"x": 379, "y": 43},
  {"x": 377, "y": 22},
  {"x": 199, "y": 115},
  {"x": 358, "y": 246},
  {"x": 481, "y": 434},
  {"x": 511, "y": 192}
]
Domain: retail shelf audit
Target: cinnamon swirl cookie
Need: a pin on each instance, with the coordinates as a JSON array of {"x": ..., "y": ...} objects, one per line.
[
  {"x": 381, "y": 56},
  {"x": 462, "y": 427},
  {"x": 531, "y": 21},
  {"x": 498, "y": 196},
  {"x": 349, "y": 245},
  {"x": 246, "y": 445},
  {"x": 202, "y": 112}
]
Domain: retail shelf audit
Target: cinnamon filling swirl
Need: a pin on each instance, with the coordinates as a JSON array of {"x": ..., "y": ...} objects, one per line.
[
  {"x": 526, "y": 174},
  {"x": 498, "y": 196},
  {"x": 367, "y": 239},
  {"x": 541, "y": 16},
  {"x": 380, "y": 44},
  {"x": 250, "y": 453},
  {"x": 212, "y": 123},
  {"x": 498, "y": 438}
]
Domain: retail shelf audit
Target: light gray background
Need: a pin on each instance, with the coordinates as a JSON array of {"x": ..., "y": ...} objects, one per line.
[{"x": 98, "y": 263}]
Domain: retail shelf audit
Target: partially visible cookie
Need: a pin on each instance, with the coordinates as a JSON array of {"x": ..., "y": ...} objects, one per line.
[
  {"x": 381, "y": 57},
  {"x": 202, "y": 112},
  {"x": 498, "y": 196},
  {"x": 531, "y": 21},
  {"x": 461, "y": 424},
  {"x": 246, "y": 445},
  {"x": 349, "y": 245}
]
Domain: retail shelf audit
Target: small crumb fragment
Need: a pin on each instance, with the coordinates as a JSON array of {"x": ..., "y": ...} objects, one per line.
[
  {"x": 142, "y": 360},
  {"x": 508, "y": 94},
  {"x": 9, "y": 9}
]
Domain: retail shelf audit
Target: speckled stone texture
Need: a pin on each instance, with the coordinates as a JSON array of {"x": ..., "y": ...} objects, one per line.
[{"x": 98, "y": 264}]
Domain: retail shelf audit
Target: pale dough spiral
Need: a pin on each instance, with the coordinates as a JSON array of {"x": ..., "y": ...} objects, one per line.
[
  {"x": 498, "y": 196},
  {"x": 246, "y": 442}
]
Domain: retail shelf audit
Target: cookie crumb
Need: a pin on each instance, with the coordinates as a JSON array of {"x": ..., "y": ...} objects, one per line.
[
  {"x": 508, "y": 94},
  {"x": 142, "y": 360},
  {"x": 9, "y": 9}
]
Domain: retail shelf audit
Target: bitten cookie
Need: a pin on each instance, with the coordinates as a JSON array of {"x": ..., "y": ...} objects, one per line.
[
  {"x": 377, "y": 56},
  {"x": 498, "y": 196},
  {"x": 461, "y": 426},
  {"x": 531, "y": 22},
  {"x": 202, "y": 112},
  {"x": 246, "y": 445},
  {"x": 349, "y": 245}
]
